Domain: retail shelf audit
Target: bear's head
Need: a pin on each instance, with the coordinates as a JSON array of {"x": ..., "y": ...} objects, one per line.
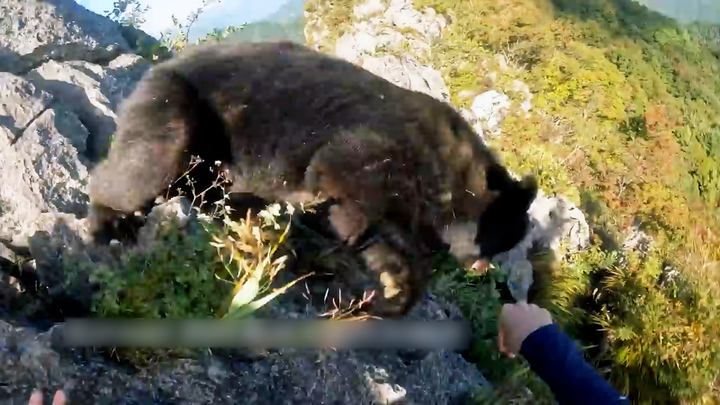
[
  {"x": 505, "y": 222},
  {"x": 502, "y": 224}
]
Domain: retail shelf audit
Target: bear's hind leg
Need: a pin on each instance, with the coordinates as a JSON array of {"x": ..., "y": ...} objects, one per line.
[{"x": 154, "y": 133}]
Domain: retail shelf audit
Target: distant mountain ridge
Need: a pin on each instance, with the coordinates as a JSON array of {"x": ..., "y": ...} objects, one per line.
[
  {"x": 287, "y": 22},
  {"x": 686, "y": 11}
]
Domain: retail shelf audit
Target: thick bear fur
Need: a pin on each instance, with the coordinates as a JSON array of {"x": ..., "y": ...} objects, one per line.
[{"x": 401, "y": 167}]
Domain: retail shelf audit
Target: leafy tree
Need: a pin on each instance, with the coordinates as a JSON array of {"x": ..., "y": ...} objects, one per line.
[{"x": 129, "y": 13}]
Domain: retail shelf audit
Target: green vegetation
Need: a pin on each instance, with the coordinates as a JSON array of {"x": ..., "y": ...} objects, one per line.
[
  {"x": 204, "y": 271},
  {"x": 626, "y": 124},
  {"x": 335, "y": 19},
  {"x": 129, "y": 13}
]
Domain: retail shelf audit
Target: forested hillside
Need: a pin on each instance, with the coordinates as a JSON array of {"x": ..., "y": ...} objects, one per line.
[{"x": 625, "y": 122}]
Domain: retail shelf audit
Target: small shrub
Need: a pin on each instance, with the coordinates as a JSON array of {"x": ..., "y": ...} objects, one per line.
[
  {"x": 658, "y": 328},
  {"x": 479, "y": 299},
  {"x": 214, "y": 270}
]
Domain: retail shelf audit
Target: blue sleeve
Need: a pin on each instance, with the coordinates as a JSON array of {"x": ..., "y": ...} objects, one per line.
[{"x": 555, "y": 359}]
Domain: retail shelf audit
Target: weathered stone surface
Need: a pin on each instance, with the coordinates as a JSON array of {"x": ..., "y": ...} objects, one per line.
[
  {"x": 379, "y": 42},
  {"x": 42, "y": 166},
  {"x": 50, "y": 148},
  {"x": 18, "y": 202},
  {"x": 20, "y": 103},
  {"x": 407, "y": 72},
  {"x": 490, "y": 108},
  {"x": 402, "y": 14},
  {"x": 36, "y": 31},
  {"x": 93, "y": 92},
  {"x": 556, "y": 223},
  {"x": 288, "y": 376}
]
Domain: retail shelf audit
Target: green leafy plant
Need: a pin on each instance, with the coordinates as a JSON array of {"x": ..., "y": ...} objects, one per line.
[{"x": 129, "y": 13}]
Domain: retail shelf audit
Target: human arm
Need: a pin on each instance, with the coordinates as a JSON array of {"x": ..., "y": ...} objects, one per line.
[{"x": 528, "y": 330}]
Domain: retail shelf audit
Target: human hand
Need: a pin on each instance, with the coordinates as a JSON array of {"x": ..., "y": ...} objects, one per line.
[
  {"x": 37, "y": 398},
  {"x": 518, "y": 321}
]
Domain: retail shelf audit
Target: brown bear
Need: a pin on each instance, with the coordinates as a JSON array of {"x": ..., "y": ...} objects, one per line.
[{"x": 404, "y": 171}]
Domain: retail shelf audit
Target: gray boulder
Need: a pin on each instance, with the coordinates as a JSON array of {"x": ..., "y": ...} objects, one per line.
[
  {"x": 36, "y": 31},
  {"x": 490, "y": 108},
  {"x": 407, "y": 72},
  {"x": 31, "y": 359},
  {"x": 20, "y": 103},
  {"x": 92, "y": 91},
  {"x": 556, "y": 224},
  {"x": 41, "y": 147}
]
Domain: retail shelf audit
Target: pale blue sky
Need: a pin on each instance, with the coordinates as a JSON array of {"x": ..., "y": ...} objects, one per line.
[{"x": 158, "y": 18}]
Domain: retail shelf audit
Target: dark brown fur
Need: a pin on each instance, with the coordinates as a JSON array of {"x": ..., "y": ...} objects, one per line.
[{"x": 291, "y": 122}]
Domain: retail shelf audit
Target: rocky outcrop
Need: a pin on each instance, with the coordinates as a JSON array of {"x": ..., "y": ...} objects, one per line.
[
  {"x": 55, "y": 122},
  {"x": 37, "y": 31},
  {"x": 92, "y": 91},
  {"x": 31, "y": 359},
  {"x": 63, "y": 74},
  {"x": 387, "y": 40},
  {"x": 40, "y": 152},
  {"x": 557, "y": 225}
]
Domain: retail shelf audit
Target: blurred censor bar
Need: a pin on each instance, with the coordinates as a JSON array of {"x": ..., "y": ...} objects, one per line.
[{"x": 270, "y": 334}]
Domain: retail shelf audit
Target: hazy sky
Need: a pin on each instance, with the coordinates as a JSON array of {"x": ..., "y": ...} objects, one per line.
[{"x": 158, "y": 18}]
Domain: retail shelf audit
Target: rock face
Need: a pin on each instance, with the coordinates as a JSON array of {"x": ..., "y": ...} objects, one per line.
[
  {"x": 490, "y": 108},
  {"x": 62, "y": 76},
  {"x": 93, "y": 92},
  {"x": 556, "y": 224},
  {"x": 377, "y": 43},
  {"x": 36, "y": 31},
  {"x": 32, "y": 359}
]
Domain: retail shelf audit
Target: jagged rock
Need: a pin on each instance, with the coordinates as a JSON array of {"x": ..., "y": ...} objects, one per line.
[
  {"x": 32, "y": 359},
  {"x": 556, "y": 219},
  {"x": 36, "y": 31},
  {"x": 369, "y": 8},
  {"x": 555, "y": 222},
  {"x": 352, "y": 46},
  {"x": 524, "y": 90},
  {"x": 18, "y": 203},
  {"x": 92, "y": 91},
  {"x": 50, "y": 149},
  {"x": 123, "y": 73},
  {"x": 407, "y": 72},
  {"x": 373, "y": 44},
  {"x": 490, "y": 107},
  {"x": 20, "y": 103},
  {"x": 42, "y": 168},
  {"x": 637, "y": 240},
  {"x": 402, "y": 14}
]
